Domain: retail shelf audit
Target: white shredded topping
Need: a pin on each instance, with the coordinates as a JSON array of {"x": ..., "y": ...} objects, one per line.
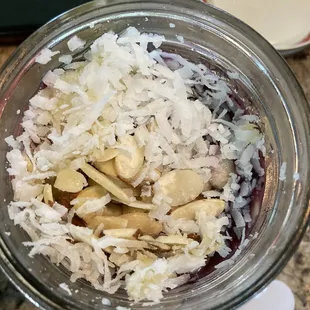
[
  {"x": 178, "y": 115},
  {"x": 282, "y": 175},
  {"x": 296, "y": 176},
  {"x": 106, "y": 301},
  {"x": 66, "y": 59},
  {"x": 65, "y": 287},
  {"x": 45, "y": 56},
  {"x": 75, "y": 43},
  {"x": 180, "y": 38}
]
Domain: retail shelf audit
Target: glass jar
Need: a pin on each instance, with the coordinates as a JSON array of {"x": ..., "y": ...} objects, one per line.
[{"x": 266, "y": 86}]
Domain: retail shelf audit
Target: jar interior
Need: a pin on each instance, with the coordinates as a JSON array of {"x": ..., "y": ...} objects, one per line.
[{"x": 208, "y": 39}]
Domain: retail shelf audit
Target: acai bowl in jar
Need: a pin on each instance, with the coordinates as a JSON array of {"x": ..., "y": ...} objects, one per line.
[{"x": 259, "y": 89}]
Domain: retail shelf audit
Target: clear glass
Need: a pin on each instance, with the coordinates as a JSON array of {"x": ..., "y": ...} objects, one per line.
[{"x": 269, "y": 88}]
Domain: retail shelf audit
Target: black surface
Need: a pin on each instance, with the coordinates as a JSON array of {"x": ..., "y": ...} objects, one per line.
[{"x": 19, "y": 18}]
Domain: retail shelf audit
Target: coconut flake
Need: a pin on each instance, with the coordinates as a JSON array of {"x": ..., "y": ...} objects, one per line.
[
  {"x": 75, "y": 43},
  {"x": 45, "y": 56},
  {"x": 66, "y": 288},
  {"x": 106, "y": 301},
  {"x": 66, "y": 59},
  {"x": 282, "y": 176},
  {"x": 296, "y": 176}
]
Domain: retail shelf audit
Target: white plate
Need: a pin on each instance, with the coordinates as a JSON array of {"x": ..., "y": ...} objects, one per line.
[
  {"x": 275, "y": 296},
  {"x": 284, "y": 23}
]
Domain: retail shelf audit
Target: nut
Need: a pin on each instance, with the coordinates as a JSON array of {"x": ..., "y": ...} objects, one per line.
[
  {"x": 136, "y": 204},
  {"x": 48, "y": 194},
  {"x": 105, "y": 182},
  {"x": 145, "y": 259},
  {"x": 109, "y": 222},
  {"x": 182, "y": 186},
  {"x": 119, "y": 259},
  {"x": 29, "y": 162},
  {"x": 82, "y": 234},
  {"x": 112, "y": 209},
  {"x": 212, "y": 207},
  {"x": 129, "y": 165},
  {"x": 108, "y": 155},
  {"x": 97, "y": 192},
  {"x": 106, "y": 167},
  {"x": 220, "y": 175},
  {"x": 127, "y": 209},
  {"x": 142, "y": 205},
  {"x": 126, "y": 233},
  {"x": 142, "y": 221},
  {"x": 150, "y": 240},
  {"x": 69, "y": 180},
  {"x": 172, "y": 240},
  {"x": 92, "y": 192},
  {"x": 150, "y": 178}
]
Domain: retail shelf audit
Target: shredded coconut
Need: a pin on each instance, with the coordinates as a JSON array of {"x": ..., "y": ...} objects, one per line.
[
  {"x": 282, "y": 175},
  {"x": 106, "y": 301},
  {"x": 75, "y": 43},
  {"x": 45, "y": 56},
  {"x": 178, "y": 116},
  {"x": 65, "y": 287},
  {"x": 296, "y": 176},
  {"x": 66, "y": 59}
]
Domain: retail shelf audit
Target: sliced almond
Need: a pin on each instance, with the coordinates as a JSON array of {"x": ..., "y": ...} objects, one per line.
[
  {"x": 146, "y": 259},
  {"x": 143, "y": 222},
  {"x": 150, "y": 240},
  {"x": 127, "y": 209},
  {"x": 92, "y": 192},
  {"x": 108, "y": 155},
  {"x": 150, "y": 178},
  {"x": 108, "y": 249},
  {"x": 146, "y": 238},
  {"x": 105, "y": 182},
  {"x": 29, "y": 163},
  {"x": 160, "y": 245},
  {"x": 182, "y": 186},
  {"x": 172, "y": 240},
  {"x": 129, "y": 165},
  {"x": 127, "y": 188},
  {"x": 69, "y": 180},
  {"x": 106, "y": 167},
  {"x": 48, "y": 194},
  {"x": 212, "y": 207},
  {"x": 82, "y": 234},
  {"x": 119, "y": 259},
  {"x": 137, "y": 204},
  {"x": 220, "y": 175},
  {"x": 121, "y": 232},
  {"x": 112, "y": 209},
  {"x": 109, "y": 222}
]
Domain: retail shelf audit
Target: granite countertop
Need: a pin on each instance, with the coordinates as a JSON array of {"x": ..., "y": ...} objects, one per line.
[{"x": 297, "y": 272}]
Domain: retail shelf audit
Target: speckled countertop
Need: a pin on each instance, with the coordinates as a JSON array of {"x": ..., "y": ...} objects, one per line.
[{"x": 297, "y": 272}]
